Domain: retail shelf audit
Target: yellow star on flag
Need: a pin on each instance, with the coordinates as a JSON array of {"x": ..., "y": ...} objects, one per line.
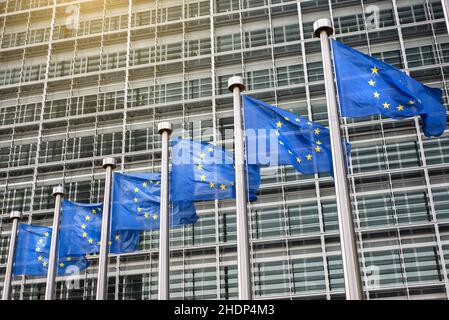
[
  {"x": 83, "y": 226},
  {"x": 144, "y": 184},
  {"x": 46, "y": 234},
  {"x": 372, "y": 83},
  {"x": 136, "y": 189},
  {"x": 386, "y": 105},
  {"x": 231, "y": 184},
  {"x": 298, "y": 160},
  {"x": 287, "y": 118},
  {"x": 90, "y": 240},
  {"x": 400, "y": 108},
  {"x": 154, "y": 216},
  {"x": 62, "y": 264},
  {"x": 309, "y": 157},
  {"x": 117, "y": 237},
  {"x": 41, "y": 240},
  {"x": 202, "y": 155},
  {"x": 84, "y": 234},
  {"x": 289, "y": 152},
  {"x": 200, "y": 166},
  {"x": 317, "y": 131},
  {"x": 139, "y": 209},
  {"x": 210, "y": 149},
  {"x": 94, "y": 211},
  {"x": 375, "y": 70},
  {"x": 279, "y": 124},
  {"x": 222, "y": 187},
  {"x": 44, "y": 264},
  {"x": 39, "y": 258},
  {"x": 38, "y": 249},
  {"x": 376, "y": 95},
  {"x": 146, "y": 215},
  {"x": 135, "y": 200},
  {"x": 317, "y": 149},
  {"x": 281, "y": 143},
  {"x": 318, "y": 142},
  {"x": 203, "y": 178},
  {"x": 69, "y": 259},
  {"x": 411, "y": 102},
  {"x": 211, "y": 184},
  {"x": 87, "y": 218}
]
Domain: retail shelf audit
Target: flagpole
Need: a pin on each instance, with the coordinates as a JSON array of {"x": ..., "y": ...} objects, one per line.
[
  {"x": 15, "y": 216},
  {"x": 235, "y": 85},
  {"x": 102, "y": 280},
  {"x": 53, "y": 258},
  {"x": 164, "y": 129},
  {"x": 445, "y": 4},
  {"x": 353, "y": 286}
]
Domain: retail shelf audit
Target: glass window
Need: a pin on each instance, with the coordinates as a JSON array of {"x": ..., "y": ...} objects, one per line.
[{"x": 422, "y": 265}]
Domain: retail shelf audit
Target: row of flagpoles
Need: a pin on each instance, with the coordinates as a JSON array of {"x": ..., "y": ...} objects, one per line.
[
  {"x": 322, "y": 29},
  {"x": 353, "y": 70}
]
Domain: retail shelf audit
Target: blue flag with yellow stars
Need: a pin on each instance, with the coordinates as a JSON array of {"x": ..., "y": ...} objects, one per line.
[
  {"x": 277, "y": 137},
  {"x": 201, "y": 171},
  {"x": 80, "y": 231},
  {"x": 136, "y": 203},
  {"x": 33, "y": 251},
  {"x": 368, "y": 86}
]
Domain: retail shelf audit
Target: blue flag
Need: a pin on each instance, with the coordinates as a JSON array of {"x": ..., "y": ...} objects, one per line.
[
  {"x": 277, "y": 137},
  {"x": 33, "y": 251},
  {"x": 201, "y": 171},
  {"x": 80, "y": 231},
  {"x": 136, "y": 203},
  {"x": 368, "y": 86}
]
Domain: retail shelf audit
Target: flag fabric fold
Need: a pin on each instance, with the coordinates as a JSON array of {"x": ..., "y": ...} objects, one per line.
[
  {"x": 368, "y": 86},
  {"x": 80, "y": 231},
  {"x": 136, "y": 203},
  {"x": 33, "y": 252},
  {"x": 275, "y": 136},
  {"x": 202, "y": 171}
]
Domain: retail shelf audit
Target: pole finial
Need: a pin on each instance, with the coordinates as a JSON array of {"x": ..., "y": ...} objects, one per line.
[
  {"x": 58, "y": 190},
  {"x": 16, "y": 214},
  {"x": 164, "y": 126},
  {"x": 320, "y": 25},
  {"x": 109, "y": 162},
  {"x": 236, "y": 81}
]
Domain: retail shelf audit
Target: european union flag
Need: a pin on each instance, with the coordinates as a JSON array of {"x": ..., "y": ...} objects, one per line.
[
  {"x": 80, "y": 231},
  {"x": 201, "y": 171},
  {"x": 368, "y": 86},
  {"x": 277, "y": 137},
  {"x": 33, "y": 251},
  {"x": 136, "y": 203}
]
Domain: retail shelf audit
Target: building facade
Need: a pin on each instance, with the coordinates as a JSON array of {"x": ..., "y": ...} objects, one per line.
[{"x": 81, "y": 80}]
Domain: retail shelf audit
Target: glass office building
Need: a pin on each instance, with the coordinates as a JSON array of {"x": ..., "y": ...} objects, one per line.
[{"x": 81, "y": 80}]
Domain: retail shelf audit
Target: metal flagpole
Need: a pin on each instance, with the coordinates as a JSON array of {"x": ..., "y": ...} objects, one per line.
[
  {"x": 235, "y": 85},
  {"x": 15, "y": 216},
  {"x": 53, "y": 258},
  {"x": 353, "y": 286},
  {"x": 445, "y": 4},
  {"x": 102, "y": 280},
  {"x": 164, "y": 129}
]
